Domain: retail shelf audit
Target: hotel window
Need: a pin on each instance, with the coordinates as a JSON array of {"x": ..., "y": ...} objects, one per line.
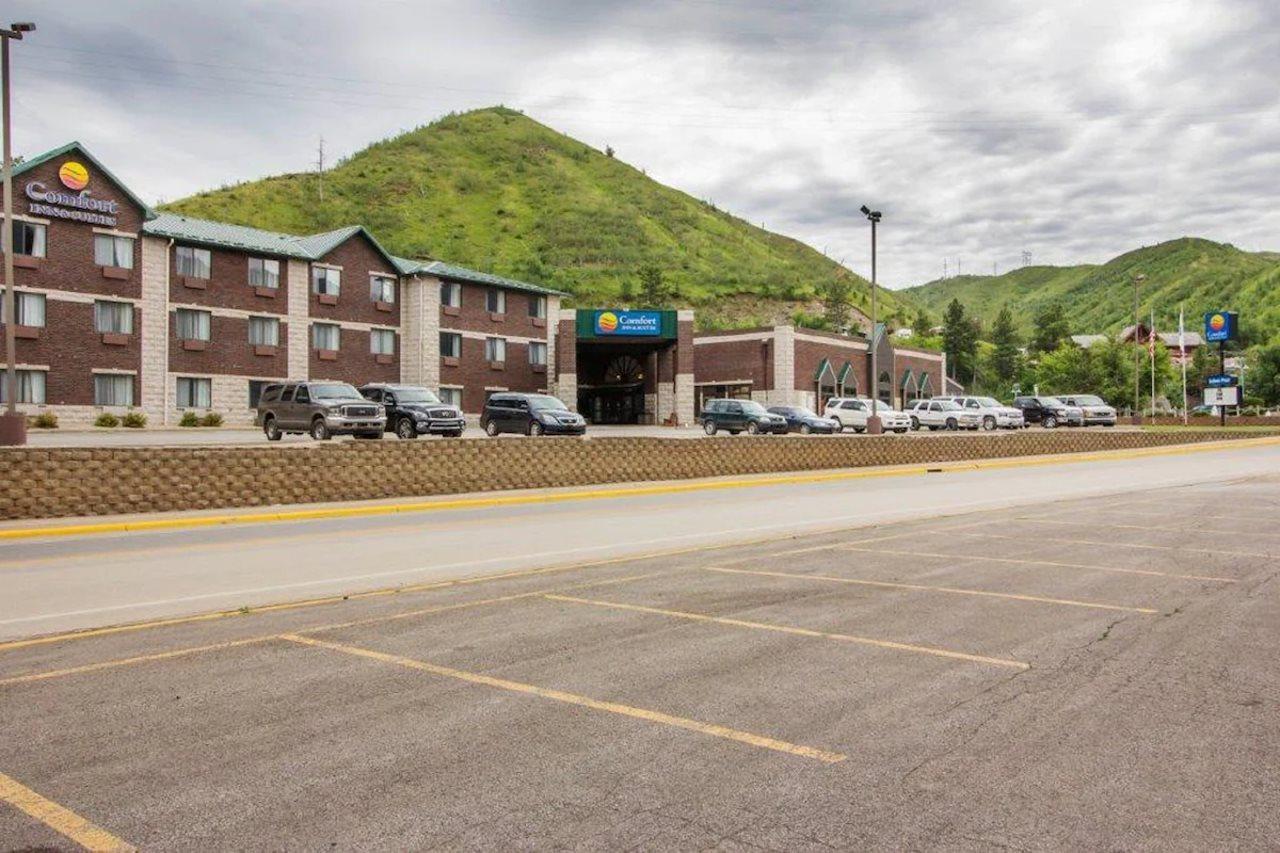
[
  {"x": 382, "y": 342},
  {"x": 194, "y": 393},
  {"x": 451, "y": 396},
  {"x": 192, "y": 262},
  {"x": 28, "y": 238},
  {"x": 496, "y": 301},
  {"x": 326, "y": 281},
  {"x": 264, "y": 331},
  {"x": 113, "y": 318},
  {"x": 537, "y": 353},
  {"x": 450, "y": 294},
  {"x": 30, "y": 387},
  {"x": 28, "y": 306},
  {"x": 538, "y": 307},
  {"x": 264, "y": 272},
  {"x": 192, "y": 325},
  {"x": 495, "y": 349},
  {"x": 450, "y": 345},
  {"x": 112, "y": 389},
  {"x": 324, "y": 336},
  {"x": 112, "y": 251},
  {"x": 382, "y": 289},
  {"x": 255, "y": 391}
]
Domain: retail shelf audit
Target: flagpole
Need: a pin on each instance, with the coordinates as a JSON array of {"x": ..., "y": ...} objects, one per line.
[
  {"x": 1151, "y": 348},
  {"x": 1182, "y": 356}
]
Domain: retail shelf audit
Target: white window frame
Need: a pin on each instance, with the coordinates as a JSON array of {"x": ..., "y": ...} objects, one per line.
[
  {"x": 32, "y": 385},
  {"x": 24, "y": 303},
  {"x": 316, "y": 328},
  {"x": 272, "y": 339},
  {"x": 203, "y": 324},
  {"x": 382, "y": 288},
  {"x": 118, "y": 252},
  {"x": 451, "y": 396},
  {"x": 538, "y": 347},
  {"x": 378, "y": 339},
  {"x": 326, "y": 281},
  {"x": 200, "y": 262},
  {"x": 268, "y": 270},
  {"x": 122, "y": 311},
  {"x": 450, "y": 294},
  {"x": 40, "y": 245},
  {"x": 199, "y": 392},
  {"x": 118, "y": 380},
  {"x": 538, "y": 307},
  {"x": 495, "y": 347},
  {"x": 452, "y": 336},
  {"x": 501, "y": 300}
]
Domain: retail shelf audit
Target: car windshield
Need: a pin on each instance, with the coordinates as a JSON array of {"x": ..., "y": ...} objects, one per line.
[
  {"x": 547, "y": 404},
  {"x": 1051, "y": 401},
  {"x": 414, "y": 395},
  {"x": 334, "y": 391},
  {"x": 1089, "y": 400},
  {"x": 988, "y": 402}
]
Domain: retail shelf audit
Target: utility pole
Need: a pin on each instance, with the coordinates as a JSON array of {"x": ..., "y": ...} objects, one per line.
[
  {"x": 13, "y": 426},
  {"x": 874, "y": 425},
  {"x": 320, "y": 170},
  {"x": 1137, "y": 352},
  {"x": 1026, "y": 258},
  {"x": 944, "y": 267}
]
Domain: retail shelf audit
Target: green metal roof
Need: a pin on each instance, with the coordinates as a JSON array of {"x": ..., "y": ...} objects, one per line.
[
  {"x": 453, "y": 272},
  {"x": 28, "y": 165},
  {"x": 209, "y": 233}
]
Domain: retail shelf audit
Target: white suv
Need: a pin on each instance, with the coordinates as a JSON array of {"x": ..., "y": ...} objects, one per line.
[
  {"x": 993, "y": 413},
  {"x": 941, "y": 414},
  {"x": 854, "y": 411}
]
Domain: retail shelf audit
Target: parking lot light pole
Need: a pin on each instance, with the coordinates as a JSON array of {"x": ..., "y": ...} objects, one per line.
[
  {"x": 13, "y": 426},
  {"x": 1137, "y": 353},
  {"x": 874, "y": 425}
]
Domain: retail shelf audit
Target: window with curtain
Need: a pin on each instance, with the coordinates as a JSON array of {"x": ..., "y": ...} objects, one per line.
[
  {"x": 264, "y": 272},
  {"x": 496, "y": 301},
  {"x": 382, "y": 289},
  {"x": 28, "y": 306},
  {"x": 538, "y": 307},
  {"x": 452, "y": 396},
  {"x": 194, "y": 393},
  {"x": 326, "y": 281},
  {"x": 451, "y": 294},
  {"x": 382, "y": 342},
  {"x": 112, "y": 251},
  {"x": 450, "y": 345},
  {"x": 192, "y": 325},
  {"x": 113, "y": 317},
  {"x": 193, "y": 262},
  {"x": 111, "y": 389},
  {"x": 30, "y": 387},
  {"x": 29, "y": 238},
  {"x": 537, "y": 353},
  {"x": 324, "y": 336},
  {"x": 264, "y": 331},
  {"x": 495, "y": 349}
]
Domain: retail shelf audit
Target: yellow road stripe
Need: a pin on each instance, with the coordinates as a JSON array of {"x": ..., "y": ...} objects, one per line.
[
  {"x": 620, "y": 492},
  {"x": 581, "y": 701},
  {"x": 1113, "y": 544},
  {"x": 803, "y": 632},
  {"x": 1198, "y": 530},
  {"x": 1038, "y": 599},
  {"x": 58, "y": 818},
  {"x": 1030, "y": 562},
  {"x": 112, "y": 664}
]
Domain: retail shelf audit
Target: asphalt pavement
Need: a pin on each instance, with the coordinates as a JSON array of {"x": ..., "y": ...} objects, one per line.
[{"x": 1068, "y": 656}]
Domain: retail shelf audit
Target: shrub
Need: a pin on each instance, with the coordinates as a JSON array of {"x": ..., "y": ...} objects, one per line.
[
  {"x": 45, "y": 420},
  {"x": 106, "y": 419},
  {"x": 189, "y": 419},
  {"x": 213, "y": 419},
  {"x": 134, "y": 420}
]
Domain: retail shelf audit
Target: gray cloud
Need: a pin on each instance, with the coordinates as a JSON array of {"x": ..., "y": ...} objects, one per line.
[{"x": 1074, "y": 130}]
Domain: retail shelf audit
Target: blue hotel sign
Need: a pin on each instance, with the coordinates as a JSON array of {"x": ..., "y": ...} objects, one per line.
[
  {"x": 1221, "y": 380},
  {"x": 1219, "y": 326},
  {"x": 628, "y": 323}
]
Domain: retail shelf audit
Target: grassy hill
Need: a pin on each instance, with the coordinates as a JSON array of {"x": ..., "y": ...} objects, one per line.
[
  {"x": 495, "y": 190},
  {"x": 1199, "y": 274}
]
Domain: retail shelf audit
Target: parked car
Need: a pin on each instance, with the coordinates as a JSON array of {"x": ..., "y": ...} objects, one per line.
[
  {"x": 413, "y": 411},
  {"x": 1093, "y": 407},
  {"x": 800, "y": 419},
  {"x": 1049, "y": 412},
  {"x": 853, "y": 412},
  {"x": 942, "y": 414},
  {"x": 993, "y": 413},
  {"x": 735, "y": 416},
  {"x": 530, "y": 414},
  {"x": 323, "y": 409}
]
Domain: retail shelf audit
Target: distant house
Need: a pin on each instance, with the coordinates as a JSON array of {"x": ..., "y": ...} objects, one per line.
[
  {"x": 1191, "y": 341},
  {"x": 1086, "y": 341}
]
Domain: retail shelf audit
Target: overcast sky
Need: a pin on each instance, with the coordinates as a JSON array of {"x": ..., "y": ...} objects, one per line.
[{"x": 1072, "y": 129}]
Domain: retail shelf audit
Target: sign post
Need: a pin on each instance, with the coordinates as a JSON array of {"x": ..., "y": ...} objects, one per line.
[{"x": 1220, "y": 326}]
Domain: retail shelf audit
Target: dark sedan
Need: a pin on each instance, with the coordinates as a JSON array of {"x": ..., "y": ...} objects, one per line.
[{"x": 800, "y": 419}]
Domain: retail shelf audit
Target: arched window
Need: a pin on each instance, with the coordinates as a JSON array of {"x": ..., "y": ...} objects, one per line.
[
  {"x": 884, "y": 388},
  {"x": 847, "y": 381},
  {"x": 926, "y": 387},
  {"x": 825, "y": 384},
  {"x": 908, "y": 386}
]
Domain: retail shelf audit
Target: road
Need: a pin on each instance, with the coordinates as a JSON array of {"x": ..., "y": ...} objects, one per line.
[{"x": 1074, "y": 655}]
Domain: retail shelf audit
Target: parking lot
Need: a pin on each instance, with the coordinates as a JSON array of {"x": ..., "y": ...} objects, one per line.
[{"x": 1091, "y": 673}]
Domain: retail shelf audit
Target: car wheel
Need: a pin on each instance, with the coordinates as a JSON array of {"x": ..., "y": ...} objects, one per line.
[
  {"x": 491, "y": 429},
  {"x": 805, "y": 429},
  {"x": 272, "y": 429},
  {"x": 951, "y": 423},
  {"x": 838, "y": 428},
  {"x": 1050, "y": 422},
  {"x": 989, "y": 423},
  {"x": 405, "y": 429},
  {"x": 320, "y": 430},
  {"x": 915, "y": 422},
  {"x": 753, "y": 428},
  {"x": 535, "y": 428},
  {"x": 709, "y": 427}
]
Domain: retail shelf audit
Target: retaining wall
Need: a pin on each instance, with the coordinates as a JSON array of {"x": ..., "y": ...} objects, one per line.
[
  {"x": 1207, "y": 421},
  {"x": 47, "y": 483}
]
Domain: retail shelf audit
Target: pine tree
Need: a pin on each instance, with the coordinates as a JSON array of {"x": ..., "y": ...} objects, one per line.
[
  {"x": 920, "y": 328},
  {"x": 1051, "y": 329},
  {"x": 960, "y": 340},
  {"x": 1006, "y": 358},
  {"x": 653, "y": 291},
  {"x": 836, "y": 303}
]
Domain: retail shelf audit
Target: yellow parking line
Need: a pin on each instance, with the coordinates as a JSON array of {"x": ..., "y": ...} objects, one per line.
[
  {"x": 1038, "y": 599},
  {"x": 581, "y": 701},
  {"x": 1030, "y": 562},
  {"x": 803, "y": 632},
  {"x": 58, "y": 818},
  {"x": 118, "y": 662},
  {"x": 1197, "y": 530},
  {"x": 1112, "y": 544}
]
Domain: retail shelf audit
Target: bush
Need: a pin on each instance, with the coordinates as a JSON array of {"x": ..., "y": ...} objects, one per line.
[
  {"x": 134, "y": 420},
  {"x": 45, "y": 420},
  {"x": 106, "y": 419},
  {"x": 213, "y": 419},
  {"x": 189, "y": 419}
]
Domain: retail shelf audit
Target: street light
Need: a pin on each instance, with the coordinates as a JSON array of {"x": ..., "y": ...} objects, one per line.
[
  {"x": 13, "y": 426},
  {"x": 874, "y": 425},
  {"x": 1137, "y": 352}
]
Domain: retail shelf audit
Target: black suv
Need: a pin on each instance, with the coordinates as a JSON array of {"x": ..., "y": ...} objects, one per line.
[
  {"x": 413, "y": 411},
  {"x": 734, "y": 416},
  {"x": 530, "y": 414},
  {"x": 1049, "y": 412}
]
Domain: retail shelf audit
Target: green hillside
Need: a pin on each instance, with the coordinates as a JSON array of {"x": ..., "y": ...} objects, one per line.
[
  {"x": 497, "y": 191},
  {"x": 1198, "y": 274}
]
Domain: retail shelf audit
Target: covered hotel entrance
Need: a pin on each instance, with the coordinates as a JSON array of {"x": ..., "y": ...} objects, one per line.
[{"x": 626, "y": 366}]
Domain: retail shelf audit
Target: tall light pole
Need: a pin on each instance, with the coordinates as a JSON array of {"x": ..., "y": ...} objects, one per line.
[
  {"x": 874, "y": 424},
  {"x": 1137, "y": 351},
  {"x": 13, "y": 426}
]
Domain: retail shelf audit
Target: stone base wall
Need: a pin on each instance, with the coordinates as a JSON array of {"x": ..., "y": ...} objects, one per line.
[
  {"x": 53, "y": 482},
  {"x": 1202, "y": 421}
]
